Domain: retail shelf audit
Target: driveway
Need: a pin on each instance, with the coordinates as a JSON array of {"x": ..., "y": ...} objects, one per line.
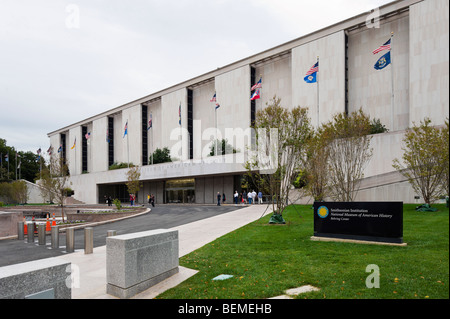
[{"x": 160, "y": 217}]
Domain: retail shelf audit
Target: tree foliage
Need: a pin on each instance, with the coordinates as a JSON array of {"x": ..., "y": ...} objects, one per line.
[
  {"x": 281, "y": 135},
  {"x": 316, "y": 165},
  {"x": 426, "y": 159},
  {"x": 348, "y": 147},
  {"x": 14, "y": 192},
  {"x": 55, "y": 181},
  {"x": 27, "y": 163},
  {"x": 161, "y": 156},
  {"x": 133, "y": 183},
  {"x": 223, "y": 147}
]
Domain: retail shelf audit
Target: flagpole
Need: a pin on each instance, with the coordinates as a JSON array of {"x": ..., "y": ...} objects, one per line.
[
  {"x": 76, "y": 168},
  {"x": 317, "y": 79},
  {"x": 392, "y": 82},
  {"x": 215, "y": 123},
  {"x": 181, "y": 132},
  {"x": 128, "y": 148},
  {"x": 151, "y": 132}
]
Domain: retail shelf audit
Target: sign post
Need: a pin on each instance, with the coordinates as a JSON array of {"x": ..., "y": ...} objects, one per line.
[{"x": 366, "y": 221}]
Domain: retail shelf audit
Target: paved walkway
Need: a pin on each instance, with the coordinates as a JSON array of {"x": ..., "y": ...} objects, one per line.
[{"x": 91, "y": 269}]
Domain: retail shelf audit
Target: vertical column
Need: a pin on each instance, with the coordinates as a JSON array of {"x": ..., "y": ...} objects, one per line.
[
  {"x": 110, "y": 140},
  {"x": 20, "y": 230},
  {"x": 55, "y": 237},
  {"x": 84, "y": 149},
  {"x": 30, "y": 232},
  {"x": 252, "y": 107},
  {"x": 41, "y": 234},
  {"x": 88, "y": 240},
  {"x": 144, "y": 118},
  {"x": 190, "y": 123},
  {"x": 70, "y": 240}
]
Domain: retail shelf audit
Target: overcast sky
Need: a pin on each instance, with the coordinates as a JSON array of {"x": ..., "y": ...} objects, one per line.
[{"x": 64, "y": 61}]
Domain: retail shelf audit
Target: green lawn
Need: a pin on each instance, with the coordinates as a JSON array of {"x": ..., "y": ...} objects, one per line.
[{"x": 265, "y": 260}]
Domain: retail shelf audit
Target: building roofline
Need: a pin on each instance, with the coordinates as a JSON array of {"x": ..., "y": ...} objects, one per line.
[{"x": 355, "y": 22}]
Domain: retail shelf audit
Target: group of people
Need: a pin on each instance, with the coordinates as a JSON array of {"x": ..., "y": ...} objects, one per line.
[
  {"x": 248, "y": 198},
  {"x": 242, "y": 198}
]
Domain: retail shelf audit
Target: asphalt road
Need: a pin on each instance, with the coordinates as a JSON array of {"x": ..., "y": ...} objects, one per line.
[{"x": 161, "y": 217}]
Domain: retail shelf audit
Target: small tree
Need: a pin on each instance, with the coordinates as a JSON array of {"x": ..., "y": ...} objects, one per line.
[
  {"x": 317, "y": 161},
  {"x": 349, "y": 152},
  {"x": 280, "y": 135},
  {"x": 425, "y": 160},
  {"x": 133, "y": 183},
  {"x": 55, "y": 181}
]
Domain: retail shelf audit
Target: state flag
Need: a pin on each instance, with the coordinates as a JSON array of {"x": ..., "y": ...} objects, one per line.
[
  {"x": 383, "y": 62},
  {"x": 311, "y": 75}
]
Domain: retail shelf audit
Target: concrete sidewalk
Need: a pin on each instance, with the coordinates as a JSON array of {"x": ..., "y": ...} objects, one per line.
[{"x": 90, "y": 270}]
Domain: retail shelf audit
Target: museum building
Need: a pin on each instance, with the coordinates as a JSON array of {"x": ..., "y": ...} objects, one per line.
[{"x": 402, "y": 84}]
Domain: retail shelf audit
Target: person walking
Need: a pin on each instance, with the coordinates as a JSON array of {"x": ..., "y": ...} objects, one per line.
[
  {"x": 254, "y": 197},
  {"x": 260, "y": 200},
  {"x": 244, "y": 197},
  {"x": 223, "y": 198},
  {"x": 131, "y": 200},
  {"x": 218, "y": 198},
  {"x": 152, "y": 200},
  {"x": 249, "y": 197},
  {"x": 236, "y": 197}
]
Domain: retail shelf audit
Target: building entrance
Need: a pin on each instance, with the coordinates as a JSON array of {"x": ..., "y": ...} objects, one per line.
[{"x": 180, "y": 191}]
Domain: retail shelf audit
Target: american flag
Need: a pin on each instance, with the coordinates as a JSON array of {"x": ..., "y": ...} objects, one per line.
[
  {"x": 258, "y": 85},
  {"x": 150, "y": 122},
  {"x": 125, "y": 129},
  {"x": 386, "y": 46},
  {"x": 213, "y": 98},
  {"x": 313, "y": 69}
]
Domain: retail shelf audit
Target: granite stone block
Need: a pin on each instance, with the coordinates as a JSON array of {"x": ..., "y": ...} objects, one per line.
[
  {"x": 135, "y": 262},
  {"x": 21, "y": 280}
]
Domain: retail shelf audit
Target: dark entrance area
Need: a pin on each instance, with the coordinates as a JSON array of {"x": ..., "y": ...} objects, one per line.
[{"x": 118, "y": 191}]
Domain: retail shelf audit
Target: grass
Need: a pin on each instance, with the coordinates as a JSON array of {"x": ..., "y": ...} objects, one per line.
[{"x": 265, "y": 260}]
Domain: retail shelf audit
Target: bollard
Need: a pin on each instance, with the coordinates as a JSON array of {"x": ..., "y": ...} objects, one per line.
[
  {"x": 41, "y": 234},
  {"x": 20, "y": 230},
  {"x": 111, "y": 233},
  {"x": 70, "y": 240},
  {"x": 88, "y": 240},
  {"x": 55, "y": 237},
  {"x": 30, "y": 234}
]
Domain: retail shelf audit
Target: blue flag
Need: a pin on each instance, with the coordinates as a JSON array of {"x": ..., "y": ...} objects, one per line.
[
  {"x": 312, "y": 78},
  {"x": 382, "y": 62},
  {"x": 311, "y": 75}
]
